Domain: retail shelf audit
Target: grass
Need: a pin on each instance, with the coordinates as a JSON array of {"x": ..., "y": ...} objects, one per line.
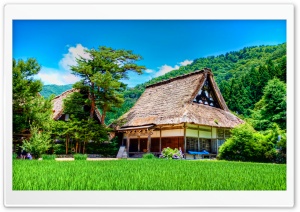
[
  {"x": 48, "y": 157},
  {"x": 147, "y": 175},
  {"x": 80, "y": 156}
]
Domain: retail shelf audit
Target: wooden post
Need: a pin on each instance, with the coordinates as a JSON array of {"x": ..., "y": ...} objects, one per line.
[
  {"x": 127, "y": 143},
  {"x": 211, "y": 137},
  {"x": 149, "y": 142},
  {"x": 184, "y": 134},
  {"x": 139, "y": 145},
  {"x": 160, "y": 140},
  {"x": 198, "y": 140}
]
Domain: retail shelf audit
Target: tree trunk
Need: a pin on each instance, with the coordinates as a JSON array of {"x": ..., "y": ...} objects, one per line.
[
  {"x": 67, "y": 144},
  {"x": 93, "y": 104},
  {"x": 76, "y": 149},
  {"x": 103, "y": 117},
  {"x": 83, "y": 149}
]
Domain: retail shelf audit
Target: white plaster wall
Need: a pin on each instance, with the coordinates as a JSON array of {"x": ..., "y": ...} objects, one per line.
[
  {"x": 214, "y": 132},
  {"x": 180, "y": 132},
  {"x": 172, "y": 133},
  {"x": 191, "y": 133},
  {"x": 204, "y": 134}
]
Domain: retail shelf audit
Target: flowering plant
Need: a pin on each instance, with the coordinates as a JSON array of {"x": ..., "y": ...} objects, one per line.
[{"x": 170, "y": 153}]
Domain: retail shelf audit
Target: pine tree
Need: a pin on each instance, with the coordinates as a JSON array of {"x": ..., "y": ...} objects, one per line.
[{"x": 101, "y": 74}]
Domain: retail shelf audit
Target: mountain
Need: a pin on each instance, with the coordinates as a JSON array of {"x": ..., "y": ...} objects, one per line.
[
  {"x": 241, "y": 76},
  {"x": 54, "y": 89}
]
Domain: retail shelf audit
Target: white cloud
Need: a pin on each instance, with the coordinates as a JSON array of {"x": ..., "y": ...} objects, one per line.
[
  {"x": 166, "y": 68},
  {"x": 63, "y": 75},
  {"x": 149, "y": 71},
  {"x": 58, "y": 77},
  {"x": 69, "y": 59},
  {"x": 186, "y": 62}
]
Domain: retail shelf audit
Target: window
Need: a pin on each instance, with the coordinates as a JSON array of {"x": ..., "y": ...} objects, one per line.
[
  {"x": 191, "y": 144},
  {"x": 206, "y": 95}
]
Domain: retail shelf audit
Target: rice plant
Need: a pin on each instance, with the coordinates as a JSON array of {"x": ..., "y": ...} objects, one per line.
[{"x": 147, "y": 175}]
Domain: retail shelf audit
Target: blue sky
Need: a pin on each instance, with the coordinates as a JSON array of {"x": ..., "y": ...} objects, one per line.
[{"x": 165, "y": 45}]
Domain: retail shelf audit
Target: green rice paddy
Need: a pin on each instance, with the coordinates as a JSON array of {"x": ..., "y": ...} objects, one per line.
[{"x": 142, "y": 174}]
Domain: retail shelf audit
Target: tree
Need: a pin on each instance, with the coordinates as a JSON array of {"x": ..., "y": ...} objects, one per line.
[
  {"x": 272, "y": 106},
  {"x": 25, "y": 92},
  {"x": 101, "y": 74},
  {"x": 30, "y": 110}
]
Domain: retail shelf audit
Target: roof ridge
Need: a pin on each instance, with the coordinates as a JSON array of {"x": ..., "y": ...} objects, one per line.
[
  {"x": 67, "y": 91},
  {"x": 180, "y": 77}
]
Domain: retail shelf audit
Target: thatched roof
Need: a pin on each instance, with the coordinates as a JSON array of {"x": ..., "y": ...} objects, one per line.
[
  {"x": 171, "y": 102},
  {"x": 58, "y": 104}
]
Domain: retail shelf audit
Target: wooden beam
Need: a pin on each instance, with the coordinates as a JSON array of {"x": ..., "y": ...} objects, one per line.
[
  {"x": 184, "y": 134},
  {"x": 127, "y": 144},
  {"x": 198, "y": 141},
  {"x": 149, "y": 142},
  {"x": 160, "y": 139},
  {"x": 139, "y": 144}
]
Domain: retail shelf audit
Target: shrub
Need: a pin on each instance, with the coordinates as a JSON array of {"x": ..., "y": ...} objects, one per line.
[
  {"x": 38, "y": 143},
  {"x": 80, "y": 156},
  {"x": 170, "y": 153},
  {"x": 148, "y": 156},
  {"x": 48, "y": 157},
  {"x": 245, "y": 144},
  {"x": 105, "y": 149},
  {"x": 15, "y": 155}
]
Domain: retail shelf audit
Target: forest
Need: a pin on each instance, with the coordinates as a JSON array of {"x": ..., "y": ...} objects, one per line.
[{"x": 251, "y": 80}]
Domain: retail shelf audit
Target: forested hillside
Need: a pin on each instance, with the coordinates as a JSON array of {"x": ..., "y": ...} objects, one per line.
[
  {"x": 240, "y": 75},
  {"x": 54, "y": 89}
]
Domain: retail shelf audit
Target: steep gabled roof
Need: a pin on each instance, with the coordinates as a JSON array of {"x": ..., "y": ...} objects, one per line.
[
  {"x": 58, "y": 104},
  {"x": 171, "y": 102}
]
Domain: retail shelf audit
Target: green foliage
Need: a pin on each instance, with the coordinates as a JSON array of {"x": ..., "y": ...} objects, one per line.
[
  {"x": 39, "y": 142},
  {"x": 14, "y": 155},
  {"x": 79, "y": 127},
  {"x": 48, "y": 157},
  {"x": 55, "y": 90},
  {"x": 245, "y": 144},
  {"x": 272, "y": 106},
  {"x": 149, "y": 156},
  {"x": 101, "y": 74},
  {"x": 40, "y": 113},
  {"x": 169, "y": 153},
  {"x": 80, "y": 156},
  {"x": 144, "y": 174},
  {"x": 25, "y": 92}
]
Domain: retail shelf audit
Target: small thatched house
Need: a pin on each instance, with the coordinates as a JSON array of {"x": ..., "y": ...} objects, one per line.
[
  {"x": 58, "y": 111},
  {"x": 186, "y": 112}
]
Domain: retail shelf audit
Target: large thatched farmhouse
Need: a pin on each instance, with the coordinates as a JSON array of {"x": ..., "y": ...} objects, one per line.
[{"x": 186, "y": 112}]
